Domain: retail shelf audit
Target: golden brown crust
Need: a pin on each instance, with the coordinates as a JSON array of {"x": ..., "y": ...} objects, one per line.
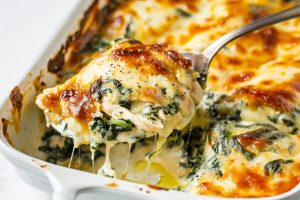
[
  {"x": 250, "y": 68},
  {"x": 51, "y": 102},
  {"x": 248, "y": 180},
  {"x": 144, "y": 57},
  {"x": 55, "y": 64},
  {"x": 278, "y": 99},
  {"x": 74, "y": 100},
  {"x": 237, "y": 78},
  {"x": 78, "y": 102}
]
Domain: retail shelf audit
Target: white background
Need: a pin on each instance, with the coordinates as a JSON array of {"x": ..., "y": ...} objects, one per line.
[{"x": 26, "y": 27}]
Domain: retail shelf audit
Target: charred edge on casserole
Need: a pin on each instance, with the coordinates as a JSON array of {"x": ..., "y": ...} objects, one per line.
[
  {"x": 55, "y": 64},
  {"x": 38, "y": 83},
  {"x": 16, "y": 99},
  {"x": 80, "y": 38},
  {"x": 5, "y": 123},
  {"x": 84, "y": 35}
]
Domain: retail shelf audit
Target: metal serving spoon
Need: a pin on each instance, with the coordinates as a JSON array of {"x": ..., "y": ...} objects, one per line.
[{"x": 202, "y": 61}]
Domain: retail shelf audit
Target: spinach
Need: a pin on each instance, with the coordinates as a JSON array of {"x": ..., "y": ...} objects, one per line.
[
  {"x": 56, "y": 153},
  {"x": 95, "y": 44},
  {"x": 214, "y": 164},
  {"x": 110, "y": 129},
  {"x": 182, "y": 13},
  {"x": 223, "y": 142},
  {"x": 290, "y": 1},
  {"x": 164, "y": 91},
  {"x": 221, "y": 107},
  {"x": 236, "y": 145},
  {"x": 192, "y": 150},
  {"x": 294, "y": 131},
  {"x": 202, "y": 79},
  {"x": 223, "y": 111},
  {"x": 125, "y": 104},
  {"x": 132, "y": 147},
  {"x": 66, "y": 127},
  {"x": 275, "y": 166},
  {"x": 266, "y": 134},
  {"x": 171, "y": 108},
  {"x": 263, "y": 138},
  {"x": 174, "y": 139},
  {"x": 253, "y": 142},
  {"x": 98, "y": 89},
  {"x": 150, "y": 111},
  {"x": 121, "y": 125},
  {"x": 120, "y": 87},
  {"x": 274, "y": 118},
  {"x": 219, "y": 138},
  {"x": 99, "y": 125},
  {"x": 129, "y": 40},
  {"x": 210, "y": 95},
  {"x": 288, "y": 122},
  {"x": 128, "y": 30},
  {"x": 188, "y": 164},
  {"x": 49, "y": 134}
]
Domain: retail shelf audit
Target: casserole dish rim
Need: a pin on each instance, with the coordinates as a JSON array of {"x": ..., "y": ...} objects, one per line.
[{"x": 25, "y": 161}]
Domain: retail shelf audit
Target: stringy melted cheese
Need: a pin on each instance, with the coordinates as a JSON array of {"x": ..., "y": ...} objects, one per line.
[
  {"x": 258, "y": 73},
  {"x": 157, "y": 83},
  {"x": 260, "y": 69}
]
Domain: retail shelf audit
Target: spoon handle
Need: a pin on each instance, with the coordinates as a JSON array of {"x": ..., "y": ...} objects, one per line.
[{"x": 214, "y": 48}]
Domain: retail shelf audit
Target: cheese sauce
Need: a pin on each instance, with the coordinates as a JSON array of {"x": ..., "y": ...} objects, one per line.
[{"x": 240, "y": 140}]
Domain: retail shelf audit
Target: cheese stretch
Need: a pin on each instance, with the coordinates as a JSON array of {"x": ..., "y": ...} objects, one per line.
[
  {"x": 132, "y": 91},
  {"x": 242, "y": 139}
]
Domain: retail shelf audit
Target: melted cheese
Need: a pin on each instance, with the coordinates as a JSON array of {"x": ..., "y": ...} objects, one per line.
[
  {"x": 163, "y": 94},
  {"x": 258, "y": 75}
]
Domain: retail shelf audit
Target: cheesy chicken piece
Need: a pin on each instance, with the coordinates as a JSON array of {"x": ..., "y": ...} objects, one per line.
[{"x": 130, "y": 92}]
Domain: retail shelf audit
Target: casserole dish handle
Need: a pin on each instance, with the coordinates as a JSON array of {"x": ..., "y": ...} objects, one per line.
[{"x": 67, "y": 183}]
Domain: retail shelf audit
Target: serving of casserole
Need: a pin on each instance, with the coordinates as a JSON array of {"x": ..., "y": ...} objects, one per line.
[{"x": 119, "y": 100}]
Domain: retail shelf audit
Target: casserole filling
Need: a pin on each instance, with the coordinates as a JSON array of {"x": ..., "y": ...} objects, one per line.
[
  {"x": 131, "y": 92},
  {"x": 240, "y": 140}
]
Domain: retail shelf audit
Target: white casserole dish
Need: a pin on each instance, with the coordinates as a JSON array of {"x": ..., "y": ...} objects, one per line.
[{"x": 19, "y": 146}]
